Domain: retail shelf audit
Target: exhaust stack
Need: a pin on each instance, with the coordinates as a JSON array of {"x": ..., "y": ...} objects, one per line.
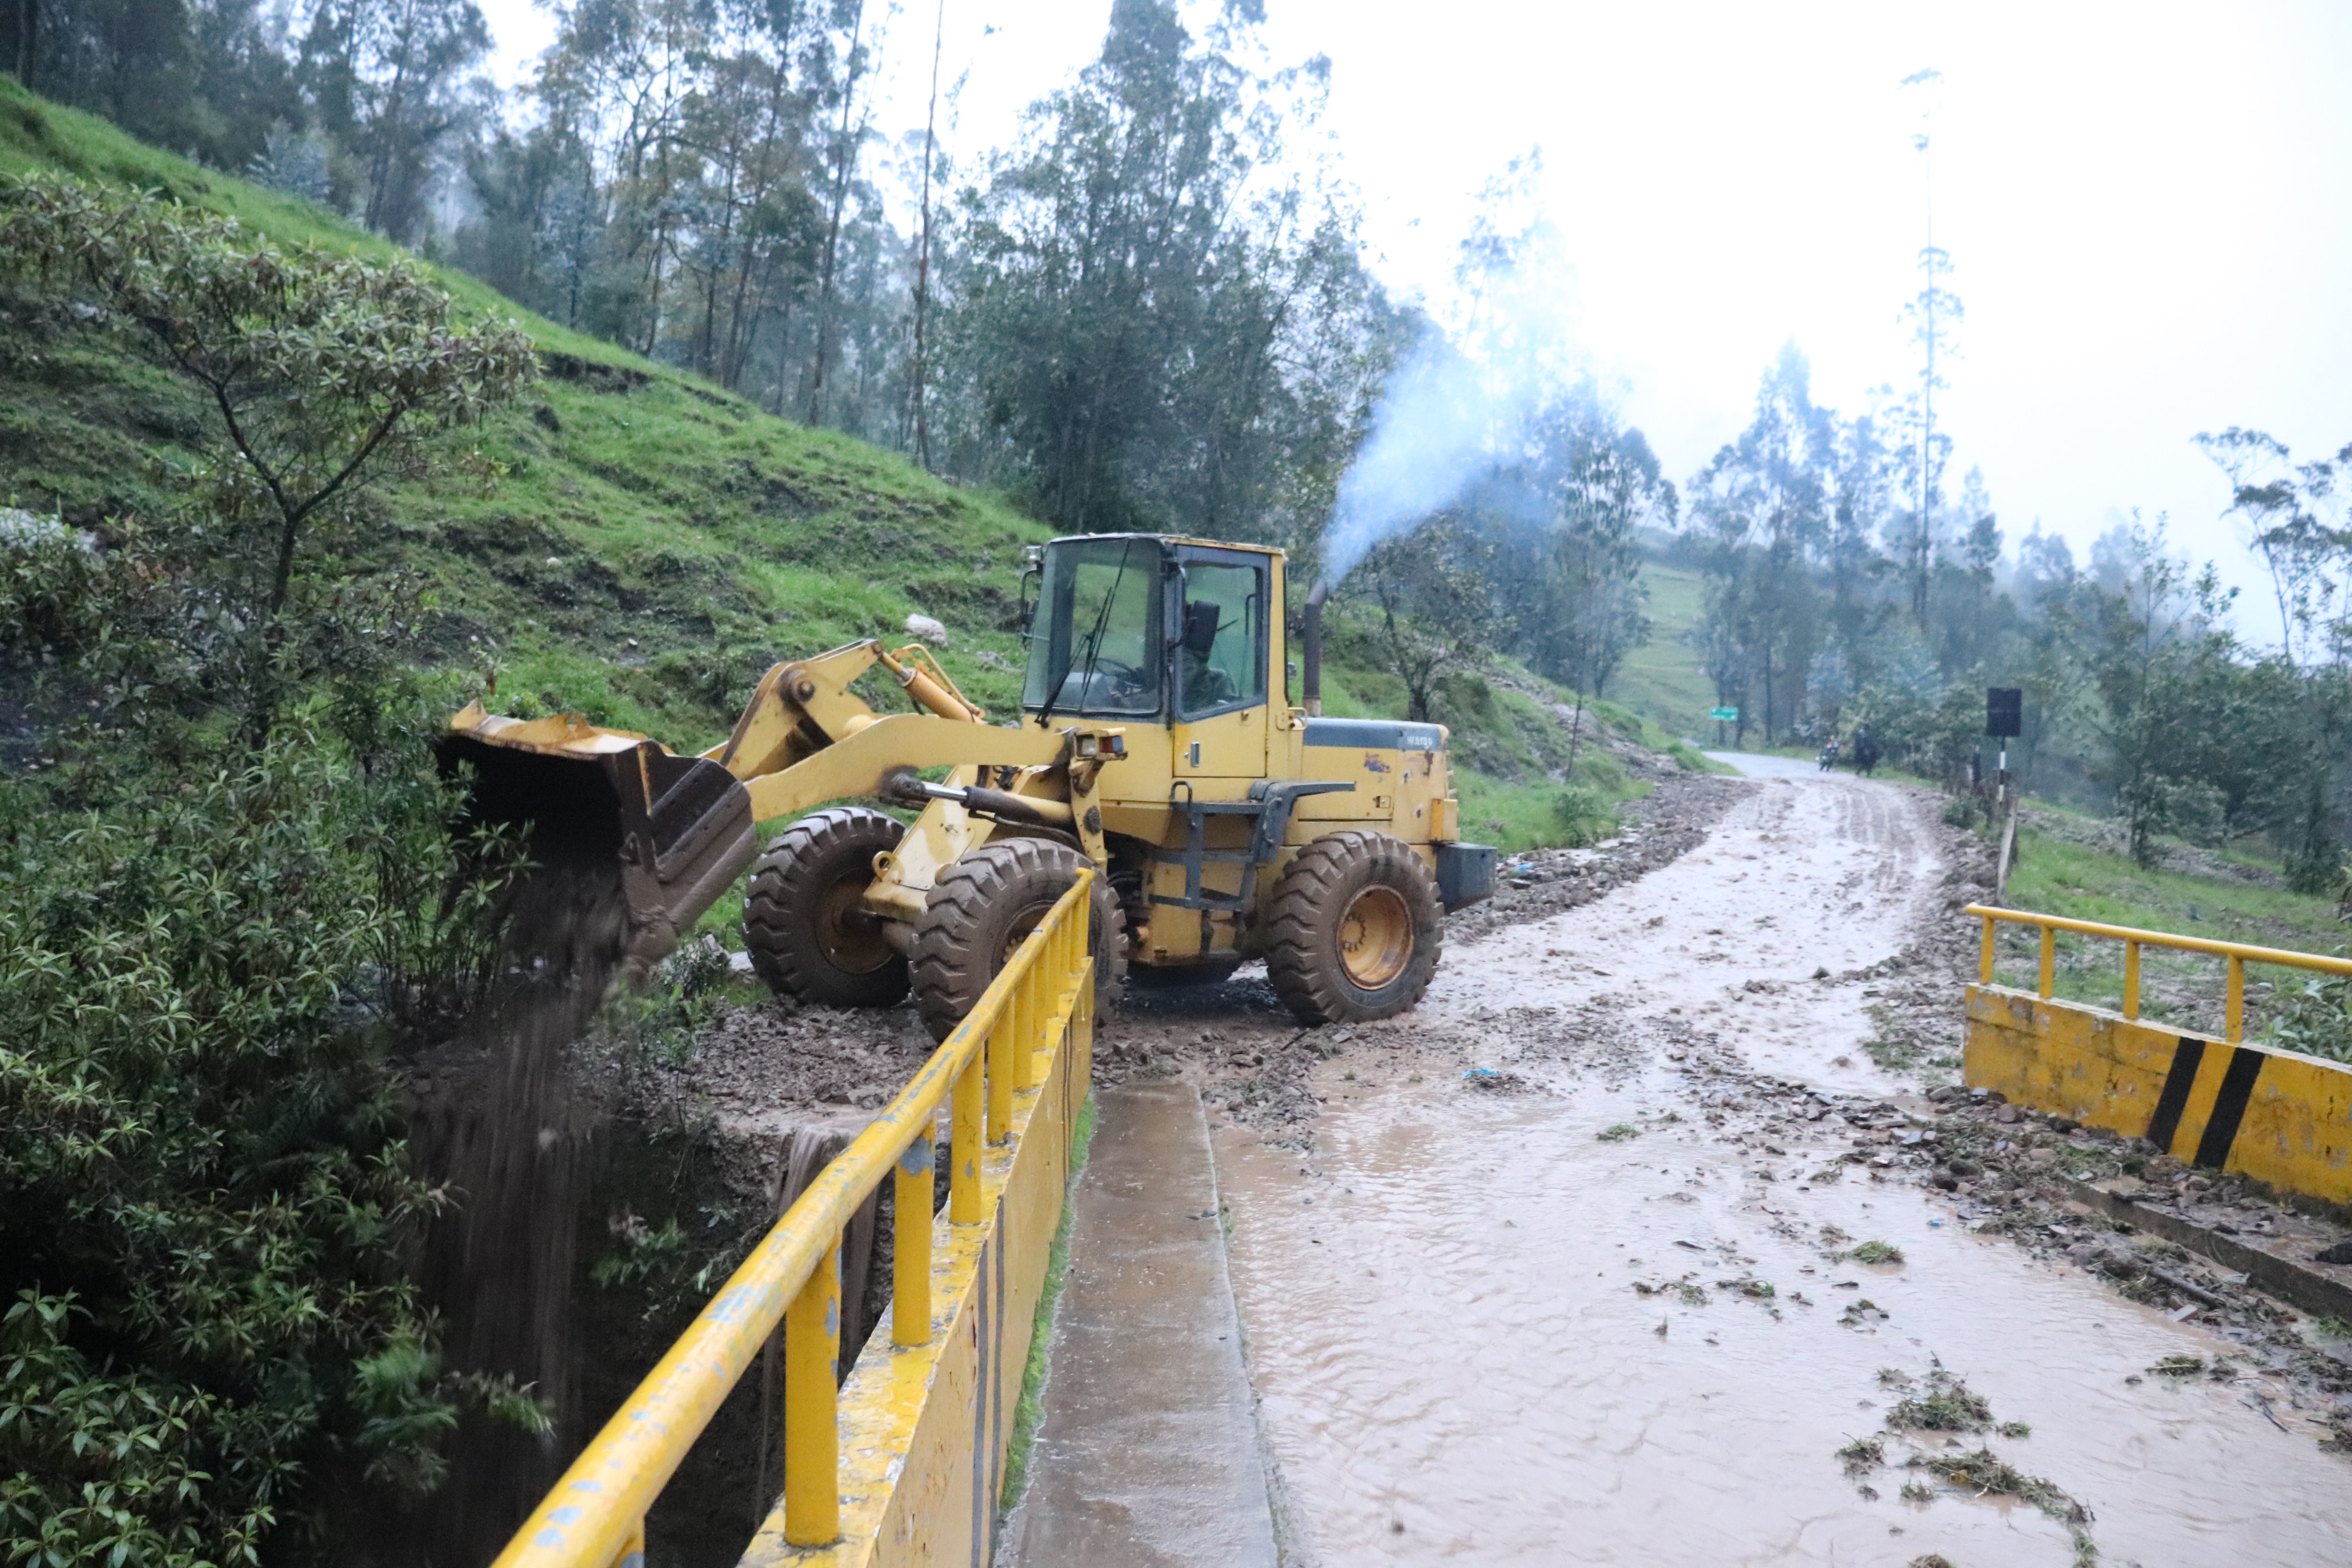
[{"x": 1310, "y": 626}]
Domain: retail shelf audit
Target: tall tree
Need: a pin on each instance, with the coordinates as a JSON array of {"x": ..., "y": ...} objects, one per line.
[
  {"x": 923, "y": 252},
  {"x": 1759, "y": 511},
  {"x": 1137, "y": 312},
  {"x": 848, "y": 140},
  {"x": 389, "y": 78}
]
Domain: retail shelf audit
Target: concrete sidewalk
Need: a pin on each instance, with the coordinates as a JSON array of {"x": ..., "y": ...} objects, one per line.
[{"x": 1149, "y": 1456}]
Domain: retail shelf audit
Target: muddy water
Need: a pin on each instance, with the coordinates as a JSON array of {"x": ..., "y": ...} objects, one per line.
[{"x": 1454, "y": 1366}]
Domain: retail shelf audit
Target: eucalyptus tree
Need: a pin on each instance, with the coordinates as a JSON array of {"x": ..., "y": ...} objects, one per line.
[
  {"x": 388, "y": 80},
  {"x": 1566, "y": 524},
  {"x": 1759, "y": 512},
  {"x": 1138, "y": 285}
]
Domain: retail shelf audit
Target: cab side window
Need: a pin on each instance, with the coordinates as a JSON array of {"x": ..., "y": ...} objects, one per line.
[{"x": 1220, "y": 656}]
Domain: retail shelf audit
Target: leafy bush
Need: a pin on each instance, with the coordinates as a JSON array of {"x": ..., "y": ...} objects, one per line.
[
  {"x": 202, "y": 1200},
  {"x": 1925, "y": 726},
  {"x": 2155, "y": 804},
  {"x": 2316, "y": 1018},
  {"x": 1586, "y": 814},
  {"x": 210, "y": 944},
  {"x": 324, "y": 370}
]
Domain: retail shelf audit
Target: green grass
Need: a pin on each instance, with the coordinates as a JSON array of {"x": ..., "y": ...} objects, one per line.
[
  {"x": 1662, "y": 679},
  {"x": 656, "y": 542},
  {"x": 2053, "y": 877},
  {"x": 1030, "y": 1411},
  {"x": 38, "y": 135},
  {"x": 639, "y": 502},
  {"x": 1505, "y": 747}
]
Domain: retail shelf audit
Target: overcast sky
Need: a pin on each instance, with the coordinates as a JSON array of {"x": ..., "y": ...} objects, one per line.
[{"x": 2142, "y": 203}]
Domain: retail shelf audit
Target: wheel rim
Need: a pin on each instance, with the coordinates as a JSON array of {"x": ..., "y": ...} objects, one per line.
[
  {"x": 848, "y": 933},
  {"x": 1023, "y": 921},
  {"x": 1375, "y": 937}
]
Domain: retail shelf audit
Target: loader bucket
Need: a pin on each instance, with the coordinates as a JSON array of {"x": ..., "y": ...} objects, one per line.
[{"x": 677, "y": 830}]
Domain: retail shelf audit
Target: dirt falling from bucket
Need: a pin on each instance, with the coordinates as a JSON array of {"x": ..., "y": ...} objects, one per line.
[{"x": 511, "y": 1138}]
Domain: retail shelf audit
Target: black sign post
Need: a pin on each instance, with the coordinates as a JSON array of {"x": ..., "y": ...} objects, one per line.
[
  {"x": 2004, "y": 713},
  {"x": 2004, "y": 721}
]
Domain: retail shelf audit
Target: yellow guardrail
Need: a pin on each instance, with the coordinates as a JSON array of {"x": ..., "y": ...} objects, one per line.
[
  {"x": 2221, "y": 1103},
  {"x": 999, "y": 1056},
  {"x": 2235, "y": 954}
]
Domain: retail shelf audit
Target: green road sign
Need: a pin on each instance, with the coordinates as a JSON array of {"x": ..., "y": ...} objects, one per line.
[{"x": 1725, "y": 715}]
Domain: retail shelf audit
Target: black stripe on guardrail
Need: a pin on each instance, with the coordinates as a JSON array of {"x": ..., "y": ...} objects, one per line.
[
  {"x": 983, "y": 1501},
  {"x": 997, "y": 1372},
  {"x": 2230, "y": 1107},
  {"x": 2186, "y": 1057}
]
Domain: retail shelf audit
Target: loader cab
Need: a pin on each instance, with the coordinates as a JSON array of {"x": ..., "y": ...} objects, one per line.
[{"x": 1174, "y": 633}]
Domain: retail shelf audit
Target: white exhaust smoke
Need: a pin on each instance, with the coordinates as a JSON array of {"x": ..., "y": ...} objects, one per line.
[{"x": 1462, "y": 401}]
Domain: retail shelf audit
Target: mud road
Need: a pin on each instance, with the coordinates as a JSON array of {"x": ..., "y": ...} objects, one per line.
[{"x": 1574, "y": 1263}]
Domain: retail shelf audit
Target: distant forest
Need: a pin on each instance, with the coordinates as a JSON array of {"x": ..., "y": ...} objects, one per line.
[{"x": 1152, "y": 311}]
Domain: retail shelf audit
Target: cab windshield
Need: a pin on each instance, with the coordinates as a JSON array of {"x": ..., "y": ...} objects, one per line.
[{"x": 1094, "y": 644}]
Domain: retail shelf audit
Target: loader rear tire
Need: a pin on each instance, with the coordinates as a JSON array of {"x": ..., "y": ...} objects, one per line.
[
  {"x": 1353, "y": 934},
  {"x": 808, "y": 931},
  {"x": 980, "y": 909}
]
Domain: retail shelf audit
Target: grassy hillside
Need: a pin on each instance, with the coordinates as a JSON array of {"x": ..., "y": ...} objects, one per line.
[
  {"x": 2242, "y": 901},
  {"x": 1661, "y": 680},
  {"x": 656, "y": 543}
]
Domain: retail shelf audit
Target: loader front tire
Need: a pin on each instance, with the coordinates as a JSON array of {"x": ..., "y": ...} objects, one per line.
[
  {"x": 805, "y": 921},
  {"x": 982, "y": 908},
  {"x": 1353, "y": 933}
]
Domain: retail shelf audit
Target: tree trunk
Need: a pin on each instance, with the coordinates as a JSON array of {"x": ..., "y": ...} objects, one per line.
[
  {"x": 848, "y": 159},
  {"x": 27, "y": 39},
  {"x": 923, "y": 261}
]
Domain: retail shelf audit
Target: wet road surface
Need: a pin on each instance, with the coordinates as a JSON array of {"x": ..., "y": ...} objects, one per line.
[
  {"x": 1149, "y": 1454},
  {"x": 1454, "y": 1361}
]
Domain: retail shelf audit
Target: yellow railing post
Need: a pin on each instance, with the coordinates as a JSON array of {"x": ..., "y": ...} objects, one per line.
[
  {"x": 2236, "y": 1015},
  {"x": 1985, "y": 954},
  {"x": 2049, "y": 961},
  {"x": 1003, "y": 1041},
  {"x": 811, "y": 1422},
  {"x": 969, "y": 1133},
  {"x": 910, "y": 1246},
  {"x": 1082, "y": 1025},
  {"x": 2131, "y": 979},
  {"x": 1018, "y": 1011},
  {"x": 633, "y": 1551}
]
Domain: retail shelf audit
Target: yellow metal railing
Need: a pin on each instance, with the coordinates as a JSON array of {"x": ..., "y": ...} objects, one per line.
[
  {"x": 594, "y": 1517},
  {"x": 2236, "y": 956}
]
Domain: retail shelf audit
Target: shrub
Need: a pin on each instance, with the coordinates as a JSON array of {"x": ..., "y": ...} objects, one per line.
[
  {"x": 2315, "y": 1018},
  {"x": 1586, "y": 814},
  {"x": 204, "y": 1207}
]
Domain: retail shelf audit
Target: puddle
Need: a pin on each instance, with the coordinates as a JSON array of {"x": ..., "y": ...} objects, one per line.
[{"x": 1446, "y": 1339}]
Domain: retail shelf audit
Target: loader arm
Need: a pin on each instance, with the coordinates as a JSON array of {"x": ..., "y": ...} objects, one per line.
[
  {"x": 681, "y": 829},
  {"x": 861, "y": 763}
]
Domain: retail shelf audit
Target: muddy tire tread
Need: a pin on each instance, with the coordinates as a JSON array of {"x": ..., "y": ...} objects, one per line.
[
  {"x": 774, "y": 920},
  {"x": 951, "y": 966},
  {"x": 1301, "y": 940}
]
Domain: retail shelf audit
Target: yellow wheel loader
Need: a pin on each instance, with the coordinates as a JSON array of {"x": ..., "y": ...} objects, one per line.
[{"x": 1156, "y": 742}]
